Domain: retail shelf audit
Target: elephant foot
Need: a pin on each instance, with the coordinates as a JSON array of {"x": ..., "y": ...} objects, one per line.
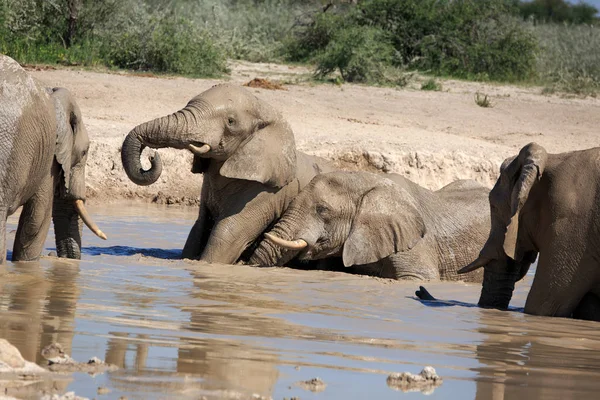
[{"x": 423, "y": 294}]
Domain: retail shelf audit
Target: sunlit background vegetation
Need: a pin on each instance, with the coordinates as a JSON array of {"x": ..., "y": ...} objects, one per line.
[{"x": 549, "y": 42}]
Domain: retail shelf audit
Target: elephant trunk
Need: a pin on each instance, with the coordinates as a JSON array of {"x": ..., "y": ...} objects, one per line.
[
  {"x": 67, "y": 228},
  {"x": 270, "y": 252},
  {"x": 168, "y": 131},
  {"x": 498, "y": 284}
]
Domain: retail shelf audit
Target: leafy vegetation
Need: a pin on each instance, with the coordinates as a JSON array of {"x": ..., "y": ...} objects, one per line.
[
  {"x": 558, "y": 11},
  {"x": 431, "y": 85},
  {"x": 367, "y": 41},
  {"x": 464, "y": 38},
  {"x": 569, "y": 59},
  {"x": 483, "y": 100}
]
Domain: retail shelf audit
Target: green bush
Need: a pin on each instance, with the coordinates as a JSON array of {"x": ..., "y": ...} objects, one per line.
[
  {"x": 360, "y": 54},
  {"x": 431, "y": 85},
  {"x": 480, "y": 39},
  {"x": 165, "y": 44},
  {"x": 570, "y": 57}
]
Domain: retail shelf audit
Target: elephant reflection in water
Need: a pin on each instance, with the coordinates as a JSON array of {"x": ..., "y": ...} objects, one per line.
[
  {"x": 534, "y": 364},
  {"x": 219, "y": 364},
  {"x": 38, "y": 308},
  {"x": 230, "y": 364}
]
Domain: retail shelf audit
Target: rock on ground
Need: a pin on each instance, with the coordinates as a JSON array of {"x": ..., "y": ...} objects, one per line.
[{"x": 425, "y": 382}]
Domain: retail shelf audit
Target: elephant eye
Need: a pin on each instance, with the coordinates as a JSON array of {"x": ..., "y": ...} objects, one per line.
[
  {"x": 322, "y": 210},
  {"x": 230, "y": 121}
]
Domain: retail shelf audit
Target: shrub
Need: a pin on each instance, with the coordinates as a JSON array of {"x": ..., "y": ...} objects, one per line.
[
  {"x": 480, "y": 39},
  {"x": 360, "y": 54},
  {"x": 431, "y": 84},
  {"x": 570, "y": 57}
]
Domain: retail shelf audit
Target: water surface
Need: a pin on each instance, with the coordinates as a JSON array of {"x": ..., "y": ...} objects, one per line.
[{"x": 186, "y": 329}]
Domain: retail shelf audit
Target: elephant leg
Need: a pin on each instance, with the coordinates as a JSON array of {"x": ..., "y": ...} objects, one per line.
[
  {"x": 198, "y": 237},
  {"x": 231, "y": 235},
  {"x": 560, "y": 281},
  {"x": 3, "y": 216},
  {"x": 588, "y": 308},
  {"x": 33, "y": 224}
]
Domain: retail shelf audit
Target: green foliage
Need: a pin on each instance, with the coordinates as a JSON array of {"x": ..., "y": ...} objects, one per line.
[
  {"x": 558, "y": 11},
  {"x": 431, "y": 84},
  {"x": 372, "y": 41},
  {"x": 570, "y": 57},
  {"x": 483, "y": 100},
  {"x": 359, "y": 54},
  {"x": 480, "y": 39}
]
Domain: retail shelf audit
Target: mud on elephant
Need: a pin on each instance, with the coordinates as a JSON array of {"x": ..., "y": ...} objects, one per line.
[
  {"x": 247, "y": 153},
  {"x": 383, "y": 225},
  {"x": 547, "y": 204},
  {"x": 43, "y": 151}
]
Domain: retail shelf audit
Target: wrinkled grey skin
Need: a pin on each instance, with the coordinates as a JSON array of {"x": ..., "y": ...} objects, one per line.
[
  {"x": 43, "y": 147},
  {"x": 251, "y": 172},
  {"x": 547, "y": 204},
  {"x": 384, "y": 225}
]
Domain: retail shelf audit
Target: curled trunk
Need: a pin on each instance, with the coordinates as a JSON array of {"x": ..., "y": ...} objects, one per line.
[{"x": 161, "y": 132}]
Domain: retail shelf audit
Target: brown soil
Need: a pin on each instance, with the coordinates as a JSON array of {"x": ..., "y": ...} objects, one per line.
[
  {"x": 264, "y": 84},
  {"x": 431, "y": 137}
]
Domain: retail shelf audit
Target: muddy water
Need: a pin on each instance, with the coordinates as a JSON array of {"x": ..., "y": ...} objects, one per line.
[{"x": 186, "y": 330}]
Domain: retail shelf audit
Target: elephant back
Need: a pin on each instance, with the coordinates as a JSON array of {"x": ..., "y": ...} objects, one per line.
[{"x": 27, "y": 122}]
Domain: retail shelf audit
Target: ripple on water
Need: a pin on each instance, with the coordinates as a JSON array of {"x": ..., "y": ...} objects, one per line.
[{"x": 184, "y": 329}]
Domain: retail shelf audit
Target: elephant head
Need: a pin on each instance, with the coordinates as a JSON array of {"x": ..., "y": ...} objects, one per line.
[
  {"x": 360, "y": 216},
  {"x": 509, "y": 250},
  {"x": 72, "y": 144},
  {"x": 226, "y": 124}
]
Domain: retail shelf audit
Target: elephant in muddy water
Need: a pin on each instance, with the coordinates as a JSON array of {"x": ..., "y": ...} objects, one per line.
[
  {"x": 247, "y": 153},
  {"x": 547, "y": 204},
  {"x": 43, "y": 151},
  {"x": 382, "y": 225}
]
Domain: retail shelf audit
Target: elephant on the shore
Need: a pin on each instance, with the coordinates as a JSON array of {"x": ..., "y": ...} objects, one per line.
[
  {"x": 43, "y": 151},
  {"x": 247, "y": 153},
  {"x": 382, "y": 225},
  {"x": 547, "y": 204}
]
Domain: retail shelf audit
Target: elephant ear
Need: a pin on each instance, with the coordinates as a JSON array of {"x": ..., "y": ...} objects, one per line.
[
  {"x": 268, "y": 156},
  {"x": 525, "y": 170},
  {"x": 387, "y": 222},
  {"x": 65, "y": 137}
]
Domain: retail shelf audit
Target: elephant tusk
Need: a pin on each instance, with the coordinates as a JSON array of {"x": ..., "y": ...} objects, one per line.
[
  {"x": 87, "y": 219},
  {"x": 205, "y": 148},
  {"x": 480, "y": 262},
  {"x": 298, "y": 244}
]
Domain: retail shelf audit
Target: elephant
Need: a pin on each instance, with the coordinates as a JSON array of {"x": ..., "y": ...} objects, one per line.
[
  {"x": 251, "y": 167},
  {"x": 381, "y": 225},
  {"x": 43, "y": 152},
  {"x": 547, "y": 204}
]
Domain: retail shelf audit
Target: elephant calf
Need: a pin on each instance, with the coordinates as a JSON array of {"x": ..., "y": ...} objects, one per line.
[
  {"x": 383, "y": 225},
  {"x": 547, "y": 204},
  {"x": 43, "y": 152},
  {"x": 246, "y": 151}
]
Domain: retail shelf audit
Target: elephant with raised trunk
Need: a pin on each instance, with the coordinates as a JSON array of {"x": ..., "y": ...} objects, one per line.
[
  {"x": 547, "y": 204},
  {"x": 382, "y": 225},
  {"x": 247, "y": 153},
  {"x": 43, "y": 151}
]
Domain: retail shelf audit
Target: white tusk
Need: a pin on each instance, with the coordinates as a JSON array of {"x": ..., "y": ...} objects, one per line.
[
  {"x": 88, "y": 220},
  {"x": 298, "y": 244},
  {"x": 205, "y": 148}
]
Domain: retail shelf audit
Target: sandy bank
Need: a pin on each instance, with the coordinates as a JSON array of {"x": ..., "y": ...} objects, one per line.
[{"x": 431, "y": 137}]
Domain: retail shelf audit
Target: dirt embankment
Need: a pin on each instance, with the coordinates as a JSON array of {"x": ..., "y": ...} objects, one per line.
[{"x": 431, "y": 137}]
